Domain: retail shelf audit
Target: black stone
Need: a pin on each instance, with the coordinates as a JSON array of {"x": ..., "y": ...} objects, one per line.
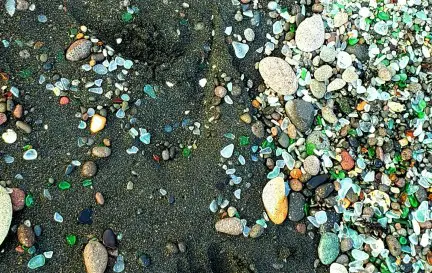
[
  {"x": 296, "y": 206},
  {"x": 353, "y": 142},
  {"x": 421, "y": 194},
  {"x": 109, "y": 239},
  {"x": 378, "y": 163},
  {"x": 324, "y": 190},
  {"x": 317, "y": 180},
  {"x": 85, "y": 217}
]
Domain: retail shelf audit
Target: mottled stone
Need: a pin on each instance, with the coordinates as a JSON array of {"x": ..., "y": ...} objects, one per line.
[
  {"x": 275, "y": 201},
  {"x": 79, "y": 50},
  {"x": 310, "y": 34},
  {"x": 231, "y": 226},
  {"x": 278, "y": 75},
  {"x": 301, "y": 114},
  {"x": 95, "y": 257}
]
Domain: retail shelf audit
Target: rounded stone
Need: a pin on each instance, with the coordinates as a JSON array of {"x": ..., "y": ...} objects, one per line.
[
  {"x": 88, "y": 169},
  {"x": 275, "y": 200},
  {"x": 26, "y": 236},
  {"x": 393, "y": 245},
  {"x": 323, "y": 73},
  {"x": 328, "y": 248},
  {"x": 278, "y": 75},
  {"x": 338, "y": 268},
  {"x": 318, "y": 88},
  {"x": 336, "y": 84},
  {"x": 99, "y": 198},
  {"x": 171, "y": 248},
  {"x": 79, "y": 50},
  {"x": 328, "y": 54},
  {"x": 301, "y": 113},
  {"x": 220, "y": 91},
  {"x": 347, "y": 162},
  {"x": 101, "y": 151},
  {"x": 95, "y": 257},
  {"x": 310, "y": 34},
  {"x": 18, "y": 199},
  {"x": 349, "y": 75},
  {"x": 328, "y": 115},
  {"x": 256, "y": 231},
  {"x": 231, "y": 226},
  {"x": 295, "y": 185},
  {"x": 312, "y": 165},
  {"x": 344, "y": 60},
  {"x": 340, "y": 19},
  {"x": 5, "y": 213},
  {"x": 109, "y": 238},
  {"x": 319, "y": 139}
]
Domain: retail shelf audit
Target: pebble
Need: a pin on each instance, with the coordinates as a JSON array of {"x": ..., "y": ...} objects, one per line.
[
  {"x": 340, "y": 19},
  {"x": 347, "y": 162},
  {"x": 165, "y": 155},
  {"x": 246, "y": 118},
  {"x": 101, "y": 151},
  {"x": 384, "y": 74},
  {"x": 258, "y": 129},
  {"x": 317, "y": 8},
  {"x": 310, "y": 34},
  {"x": 109, "y": 239},
  {"x": 292, "y": 131},
  {"x": 283, "y": 140},
  {"x": 295, "y": 184},
  {"x": 318, "y": 88},
  {"x": 79, "y": 50},
  {"x": 301, "y": 114},
  {"x": 5, "y": 213},
  {"x": 9, "y": 136},
  {"x": 99, "y": 198},
  {"x": 220, "y": 91},
  {"x": 249, "y": 34},
  {"x": 171, "y": 248},
  {"x": 344, "y": 60},
  {"x": 296, "y": 206},
  {"x": 323, "y": 73},
  {"x": 349, "y": 75},
  {"x": 182, "y": 247},
  {"x": 278, "y": 75},
  {"x": 319, "y": 139},
  {"x": 393, "y": 245},
  {"x": 317, "y": 180},
  {"x": 3, "y": 118},
  {"x": 26, "y": 236},
  {"x": 23, "y": 126},
  {"x": 18, "y": 199},
  {"x": 18, "y": 111},
  {"x": 88, "y": 169},
  {"x": 328, "y": 248},
  {"x": 231, "y": 226},
  {"x": 323, "y": 191},
  {"x": 328, "y": 115},
  {"x": 95, "y": 257},
  {"x": 328, "y": 54},
  {"x": 256, "y": 231},
  {"x": 336, "y": 84},
  {"x": 240, "y": 49},
  {"x": 312, "y": 165},
  {"x": 144, "y": 260},
  {"x": 275, "y": 201},
  {"x": 337, "y": 268},
  {"x": 346, "y": 244},
  {"x": 97, "y": 123}
]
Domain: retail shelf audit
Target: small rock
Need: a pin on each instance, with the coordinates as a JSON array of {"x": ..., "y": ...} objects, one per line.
[
  {"x": 323, "y": 191},
  {"x": 328, "y": 115},
  {"x": 256, "y": 231},
  {"x": 79, "y": 50},
  {"x": 301, "y": 114},
  {"x": 246, "y": 118},
  {"x": 171, "y": 248},
  {"x": 361, "y": 51},
  {"x": 295, "y": 184},
  {"x": 292, "y": 131},
  {"x": 3, "y": 118},
  {"x": 231, "y": 226},
  {"x": 312, "y": 165},
  {"x": 296, "y": 206},
  {"x": 99, "y": 198},
  {"x": 328, "y": 54},
  {"x": 283, "y": 140},
  {"x": 101, "y": 151},
  {"x": 182, "y": 247},
  {"x": 23, "y": 126},
  {"x": 319, "y": 139},
  {"x": 18, "y": 111},
  {"x": 144, "y": 260},
  {"x": 310, "y": 34},
  {"x": 5, "y": 213},
  {"x": 249, "y": 34},
  {"x": 323, "y": 73},
  {"x": 328, "y": 248},
  {"x": 109, "y": 239},
  {"x": 165, "y": 155},
  {"x": 278, "y": 75},
  {"x": 340, "y": 19},
  {"x": 349, "y": 75},
  {"x": 337, "y": 268},
  {"x": 384, "y": 74},
  {"x": 318, "y": 88},
  {"x": 336, "y": 84},
  {"x": 393, "y": 245},
  {"x": 317, "y": 180},
  {"x": 95, "y": 257},
  {"x": 347, "y": 162},
  {"x": 258, "y": 129},
  {"x": 26, "y": 236},
  {"x": 344, "y": 60},
  {"x": 18, "y": 199},
  {"x": 220, "y": 91},
  {"x": 22, "y": 5},
  {"x": 88, "y": 169},
  {"x": 317, "y": 8},
  {"x": 275, "y": 200},
  {"x": 346, "y": 244}
]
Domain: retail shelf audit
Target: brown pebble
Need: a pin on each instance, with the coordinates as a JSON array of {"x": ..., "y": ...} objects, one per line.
[
  {"x": 23, "y": 126},
  {"x": 107, "y": 142},
  {"x": 296, "y": 185},
  {"x": 292, "y": 131},
  {"x": 88, "y": 169},
  {"x": 18, "y": 111},
  {"x": 406, "y": 154},
  {"x": 220, "y": 91},
  {"x": 347, "y": 161},
  {"x": 99, "y": 198},
  {"x": 429, "y": 257},
  {"x": 3, "y": 118},
  {"x": 26, "y": 236},
  {"x": 18, "y": 199},
  {"x": 301, "y": 228},
  {"x": 317, "y": 8}
]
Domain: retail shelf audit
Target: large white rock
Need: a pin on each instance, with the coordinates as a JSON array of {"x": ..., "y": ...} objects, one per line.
[
  {"x": 275, "y": 200},
  {"x": 5, "y": 214},
  {"x": 310, "y": 34},
  {"x": 278, "y": 75}
]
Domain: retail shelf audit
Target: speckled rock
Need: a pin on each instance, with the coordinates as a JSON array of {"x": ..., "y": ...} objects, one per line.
[
  {"x": 95, "y": 257},
  {"x": 275, "y": 200},
  {"x": 5, "y": 213},
  {"x": 347, "y": 162},
  {"x": 340, "y": 19},
  {"x": 319, "y": 139},
  {"x": 318, "y": 88},
  {"x": 101, "y": 151},
  {"x": 328, "y": 115},
  {"x": 88, "y": 169},
  {"x": 258, "y": 129},
  {"x": 323, "y": 73},
  {"x": 231, "y": 226},
  {"x": 256, "y": 231},
  {"x": 338, "y": 268},
  {"x": 312, "y": 165},
  {"x": 393, "y": 245},
  {"x": 328, "y": 248},
  {"x": 301, "y": 114},
  {"x": 26, "y": 236},
  {"x": 278, "y": 75},
  {"x": 296, "y": 206},
  {"x": 310, "y": 34},
  {"x": 336, "y": 84},
  {"x": 79, "y": 50},
  {"x": 18, "y": 199},
  {"x": 349, "y": 75},
  {"x": 328, "y": 54}
]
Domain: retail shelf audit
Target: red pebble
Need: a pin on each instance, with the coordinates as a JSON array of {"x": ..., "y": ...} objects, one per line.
[
  {"x": 347, "y": 161},
  {"x": 19, "y": 249},
  {"x": 18, "y": 199},
  {"x": 156, "y": 158},
  {"x": 64, "y": 100},
  {"x": 3, "y": 118}
]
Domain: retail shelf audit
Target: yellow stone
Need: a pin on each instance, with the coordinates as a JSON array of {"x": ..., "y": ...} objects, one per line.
[
  {"x": 275, "y": 200},
  {"x": 97, "y": 123}
]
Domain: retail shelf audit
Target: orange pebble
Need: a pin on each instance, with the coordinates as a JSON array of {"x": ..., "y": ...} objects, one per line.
[
  {"x": 64, "y": 100},
  {"x": 256, "y": 104},
  {"x": 346, "y": 203},
  {"x": 361, "y": 106},
  {"x": 100, "y": 43},
  {"x": 79, "y": 36},
  {"x": 92, "y": 62},
  {"x": 274, "y": 131},
  {"x": 296, "y": 173}
]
